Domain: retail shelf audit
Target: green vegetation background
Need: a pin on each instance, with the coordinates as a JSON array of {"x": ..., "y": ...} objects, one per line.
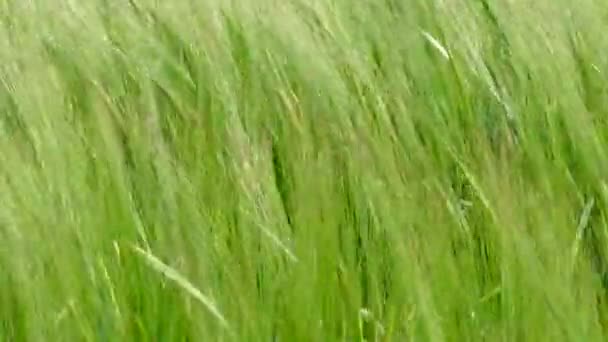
[{"x": 291, "y": 170}]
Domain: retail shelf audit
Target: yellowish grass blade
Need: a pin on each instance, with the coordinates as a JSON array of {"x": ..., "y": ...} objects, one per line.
[{"x": 180, "y": 280}]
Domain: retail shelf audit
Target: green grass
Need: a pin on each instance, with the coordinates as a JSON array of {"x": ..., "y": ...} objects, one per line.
[{"x": 326, "y": 170}]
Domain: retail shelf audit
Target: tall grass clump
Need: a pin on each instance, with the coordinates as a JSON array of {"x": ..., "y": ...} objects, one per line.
[{"x": 303, "y": 170}]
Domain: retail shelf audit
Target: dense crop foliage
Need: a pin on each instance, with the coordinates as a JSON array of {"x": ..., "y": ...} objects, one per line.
[{"x": 303, "y": 170}]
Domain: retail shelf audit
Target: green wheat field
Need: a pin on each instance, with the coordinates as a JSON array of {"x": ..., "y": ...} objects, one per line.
[{"x": 304, "y": 170}]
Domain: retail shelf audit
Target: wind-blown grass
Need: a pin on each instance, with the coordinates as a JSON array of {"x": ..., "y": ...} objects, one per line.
[{"x": 303, "y": 170}]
